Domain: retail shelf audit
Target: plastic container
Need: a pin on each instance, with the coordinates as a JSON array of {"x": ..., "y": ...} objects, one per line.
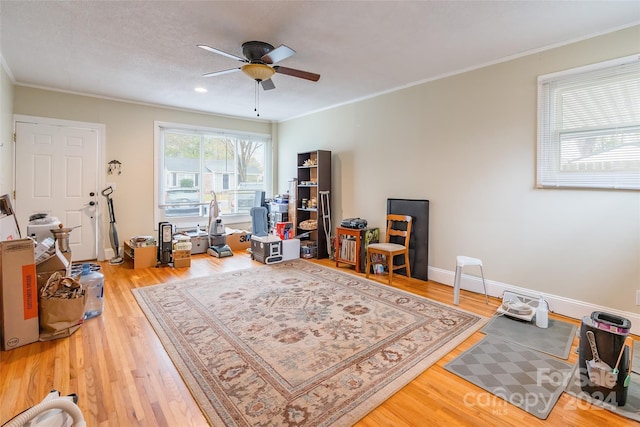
[
  {"x": 542, "y": 314},
  {"x": 610, "y": 322},
  {"x": 93, "y": 281}
]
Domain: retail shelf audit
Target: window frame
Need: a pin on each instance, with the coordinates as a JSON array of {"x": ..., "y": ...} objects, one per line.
[
  {"x": 193, "y": 221},
  {"x": 550, "y": 136}
]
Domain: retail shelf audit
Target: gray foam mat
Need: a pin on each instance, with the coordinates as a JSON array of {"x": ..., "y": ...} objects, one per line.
[
  {"x": 528, "y": 379},
  {"x": 555, "y": 340}
]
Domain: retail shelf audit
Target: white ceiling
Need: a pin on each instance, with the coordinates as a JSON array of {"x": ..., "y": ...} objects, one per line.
[{"x": 145, "y": 51}]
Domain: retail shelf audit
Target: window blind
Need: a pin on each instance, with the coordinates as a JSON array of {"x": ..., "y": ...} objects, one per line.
[{"x": 589, "y": 126}]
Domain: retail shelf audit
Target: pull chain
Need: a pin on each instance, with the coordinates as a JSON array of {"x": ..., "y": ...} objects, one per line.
[{"x": 257, "y": 99}]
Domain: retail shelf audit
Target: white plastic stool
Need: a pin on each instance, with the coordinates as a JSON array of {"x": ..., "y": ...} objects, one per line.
[{"x": 462, "y": 261}]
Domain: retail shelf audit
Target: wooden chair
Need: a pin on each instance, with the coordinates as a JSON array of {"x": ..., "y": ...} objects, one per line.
[{"x": 397, "y": 226}]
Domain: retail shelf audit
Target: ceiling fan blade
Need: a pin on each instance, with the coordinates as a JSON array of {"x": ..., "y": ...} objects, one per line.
[
  {"x": 221, "y": 72},
  {"x": 267, "y": 84},
  {"x": 220, "y": 52},
  {"x": 278, "y": 54},
  {"x": 297, "y": 73}
]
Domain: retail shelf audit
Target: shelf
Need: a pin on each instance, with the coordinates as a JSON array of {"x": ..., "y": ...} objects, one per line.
[
  {"x": 142, "y": 257},
  {"x": 311, "y": 180}
]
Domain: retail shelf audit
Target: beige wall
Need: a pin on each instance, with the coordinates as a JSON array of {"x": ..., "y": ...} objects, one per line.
[
  {"x": 129, "y": 139},
  {"x": 6, "y": 132},
  {"x": 468, "y": 144}
]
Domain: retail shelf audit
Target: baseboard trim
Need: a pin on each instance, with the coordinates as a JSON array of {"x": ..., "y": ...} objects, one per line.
[{"x": 573, "y": 308}]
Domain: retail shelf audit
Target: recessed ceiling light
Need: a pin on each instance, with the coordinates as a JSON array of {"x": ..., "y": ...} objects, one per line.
[{"x": 201, "y": 90}]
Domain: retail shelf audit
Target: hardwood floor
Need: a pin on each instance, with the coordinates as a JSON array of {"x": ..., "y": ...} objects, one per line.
[{"x": 123, "y": 376}]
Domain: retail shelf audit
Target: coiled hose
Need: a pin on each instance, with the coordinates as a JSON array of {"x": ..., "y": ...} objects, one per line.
[{"x": 61, "y": 403}]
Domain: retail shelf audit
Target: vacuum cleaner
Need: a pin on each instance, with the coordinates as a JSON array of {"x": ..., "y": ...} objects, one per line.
[
  {"x": 53, "y": 411},
  {"x": 217, "y": 240},
  {"x": 113, "y": 233}
]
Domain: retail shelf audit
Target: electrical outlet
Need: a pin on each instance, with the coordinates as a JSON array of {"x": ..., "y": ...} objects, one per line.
[{"x": 638, "y": 297}]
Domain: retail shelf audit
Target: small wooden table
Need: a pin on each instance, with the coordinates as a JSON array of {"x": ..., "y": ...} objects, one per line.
[{"x": 351, "y": 245}]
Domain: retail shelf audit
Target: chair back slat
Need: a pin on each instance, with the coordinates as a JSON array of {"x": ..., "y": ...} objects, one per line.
[{"x": 400, "y": 226}]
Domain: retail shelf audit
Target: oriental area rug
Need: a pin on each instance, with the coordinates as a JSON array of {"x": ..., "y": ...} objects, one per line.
[{"x": 296, "y": 343}]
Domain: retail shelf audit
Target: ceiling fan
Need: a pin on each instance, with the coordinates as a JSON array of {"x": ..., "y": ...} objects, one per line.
[{"x": 259, "y": 58}]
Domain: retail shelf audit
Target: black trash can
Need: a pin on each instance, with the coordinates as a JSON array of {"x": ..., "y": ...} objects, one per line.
[{"x": 610, "y": 332}]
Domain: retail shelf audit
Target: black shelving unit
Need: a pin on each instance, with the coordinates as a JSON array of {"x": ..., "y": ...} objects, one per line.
[{"x": 314, "y": 177}]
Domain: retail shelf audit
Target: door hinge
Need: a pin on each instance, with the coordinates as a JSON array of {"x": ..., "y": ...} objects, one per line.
[{"x": 14, "y": 137}]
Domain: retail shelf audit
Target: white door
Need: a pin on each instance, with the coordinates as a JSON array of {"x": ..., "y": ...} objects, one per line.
[{"x": 56, "y": 173}]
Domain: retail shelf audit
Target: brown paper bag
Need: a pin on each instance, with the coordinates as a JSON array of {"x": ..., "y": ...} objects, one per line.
[{"x": 61, "y": 307}]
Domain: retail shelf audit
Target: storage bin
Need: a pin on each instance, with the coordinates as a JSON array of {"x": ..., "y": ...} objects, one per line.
[
  {"x": 279, "y": 207},
  {"x": 609, "y": 344}
]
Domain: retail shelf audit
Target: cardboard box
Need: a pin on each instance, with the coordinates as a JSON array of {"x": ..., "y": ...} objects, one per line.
[
  {"x": 284, "y": 230},
  {"x": 182, "y": 253},
  {"x": 181, "y": 262},
  {"x": 238, "y": 241},
  {"x": 19, "y": 323},
  {"x": 182, "y": 258}
]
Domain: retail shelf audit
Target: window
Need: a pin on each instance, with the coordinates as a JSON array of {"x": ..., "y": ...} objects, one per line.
[
  {"x": 589, "y": 126},
  {"x": 193, "y": 163}
]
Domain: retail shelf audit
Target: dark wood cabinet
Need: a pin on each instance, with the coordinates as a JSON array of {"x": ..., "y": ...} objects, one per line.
[{"x": 313, "y": 203}]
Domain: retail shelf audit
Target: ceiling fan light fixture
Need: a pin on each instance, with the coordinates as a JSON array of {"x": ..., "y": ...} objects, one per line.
[{"x": 260, "y": 72}]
